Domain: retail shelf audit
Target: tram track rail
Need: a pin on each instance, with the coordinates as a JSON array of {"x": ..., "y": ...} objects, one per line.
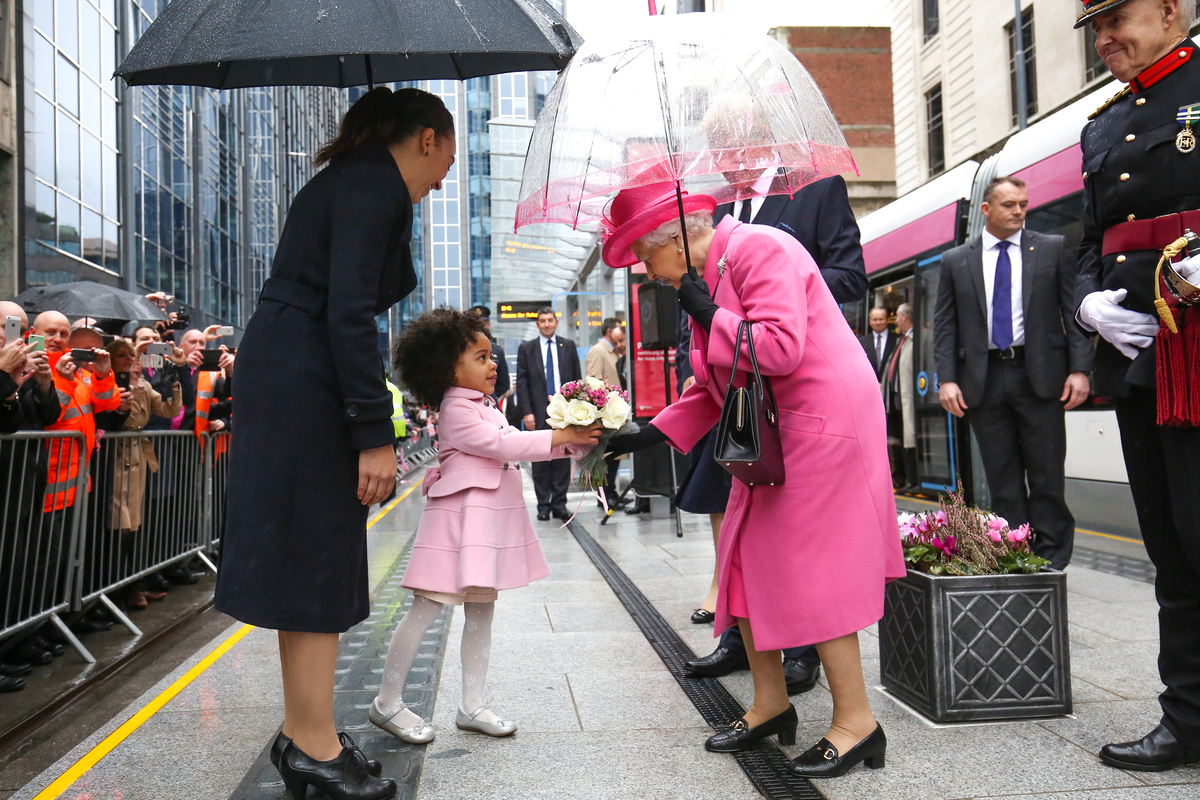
[{"x": 765, "y": 764}]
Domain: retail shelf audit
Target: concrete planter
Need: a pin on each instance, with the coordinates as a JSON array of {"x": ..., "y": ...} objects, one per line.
[{"x": 977, "y": 648}]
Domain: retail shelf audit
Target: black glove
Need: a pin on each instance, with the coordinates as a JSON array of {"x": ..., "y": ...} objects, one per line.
[
  {"x": 695, "y": 299},
  {"x": 648, "y": 436}
]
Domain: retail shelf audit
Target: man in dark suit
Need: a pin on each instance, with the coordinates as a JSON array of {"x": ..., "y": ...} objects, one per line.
[
  {"x": 1009, "y": 356},
  {"x": 879, "y": 342},
  {"x": 543, "y": 365},
  {"x": 819, "y": 217}
]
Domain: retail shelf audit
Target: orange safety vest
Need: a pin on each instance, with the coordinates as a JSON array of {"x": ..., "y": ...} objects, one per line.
[
  {"x": 205, "y": 386},
  {"x": 81, "y": 397}
]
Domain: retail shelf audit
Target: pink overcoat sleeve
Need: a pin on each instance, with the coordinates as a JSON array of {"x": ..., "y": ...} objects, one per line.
[
  {"x": 463, "y": 425},
  {"x": 687, "y": 420},
  {"x": 774, "y": 297}
]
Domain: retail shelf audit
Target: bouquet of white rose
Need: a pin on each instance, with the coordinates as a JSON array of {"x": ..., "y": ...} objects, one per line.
[{"x": 585, "y": 402}]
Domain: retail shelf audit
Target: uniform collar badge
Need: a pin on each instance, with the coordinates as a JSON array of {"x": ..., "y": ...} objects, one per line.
[{"x": 1185, "y": 142}]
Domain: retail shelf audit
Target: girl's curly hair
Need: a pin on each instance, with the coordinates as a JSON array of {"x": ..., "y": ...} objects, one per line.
[{"x": 428, "y": 351}]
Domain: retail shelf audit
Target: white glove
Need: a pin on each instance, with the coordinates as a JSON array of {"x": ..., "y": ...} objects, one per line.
[
  {"x": 1128, "y": 331},
  {"x": 1189, "y": 270}
]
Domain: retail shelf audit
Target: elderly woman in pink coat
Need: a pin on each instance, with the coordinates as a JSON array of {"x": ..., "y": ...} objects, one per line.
[
  {"x": 474, "y": 537},
  {"x": 803, "y": 562}
]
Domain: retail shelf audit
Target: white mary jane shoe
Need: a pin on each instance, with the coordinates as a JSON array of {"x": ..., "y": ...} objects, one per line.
[
  {"x": 470, "y": 722},
  {"x": 418, "y": 734}
]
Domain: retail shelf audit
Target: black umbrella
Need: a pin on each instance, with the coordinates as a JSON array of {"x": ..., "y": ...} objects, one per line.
[
  {"x": 88, "y": 299},
  {"x": 227, "y": 44}
]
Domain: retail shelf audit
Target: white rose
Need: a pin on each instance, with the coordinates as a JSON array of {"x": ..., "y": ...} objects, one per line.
[
  {"x": 556, "y": 412},
  {"x": 580, "y": 412},
  {"x": 615, "y": 412},
  {"x": 594, "y": 383}
]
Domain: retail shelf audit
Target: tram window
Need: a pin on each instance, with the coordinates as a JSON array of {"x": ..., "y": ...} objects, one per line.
[
  {"x": 855, "y": 313},
  {"x": 1063, "y": 217}
]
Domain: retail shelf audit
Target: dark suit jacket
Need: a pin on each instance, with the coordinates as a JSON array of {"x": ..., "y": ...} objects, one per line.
[
  {"x": 889, "y": 346},
  {"x": 503, "y": 381},
  {"x": 1054, "y": 345},
  {"x": 819, "y": 217},
  {"x": 531, "y": 375}
]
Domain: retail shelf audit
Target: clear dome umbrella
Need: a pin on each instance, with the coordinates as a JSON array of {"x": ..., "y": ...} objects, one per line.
[{"x": 685, "y": 98}]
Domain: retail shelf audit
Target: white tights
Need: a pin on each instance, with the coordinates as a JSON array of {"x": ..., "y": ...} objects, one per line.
[{"x": 406, "y": 639}]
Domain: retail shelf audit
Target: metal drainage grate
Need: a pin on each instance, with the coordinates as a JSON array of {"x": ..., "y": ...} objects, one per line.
[
  {"x": 765, "y": 764},
  {"x": 1137, "y": 569},
  {"x": 361, "y": 654}
]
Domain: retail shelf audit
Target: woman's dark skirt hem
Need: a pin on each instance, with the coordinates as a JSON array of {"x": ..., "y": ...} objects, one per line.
[{"x": 706, "y": 486}]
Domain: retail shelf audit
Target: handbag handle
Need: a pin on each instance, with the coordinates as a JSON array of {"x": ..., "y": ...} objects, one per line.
[{"x": 763, "y": 383}]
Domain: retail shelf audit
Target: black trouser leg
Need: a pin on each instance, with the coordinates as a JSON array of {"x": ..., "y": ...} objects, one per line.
[
  {"x": 543, "y": 485},
  {"x": 910, "y": 467},
  {"x": 1163, "y": 465},
  {"x": 560, "y": 479},
  {"x": 611, "y": 495},
  {"x": 1043, "y": 431},
  {"x": 732, "y": 640},
  {"x": 996, "y": 430}
]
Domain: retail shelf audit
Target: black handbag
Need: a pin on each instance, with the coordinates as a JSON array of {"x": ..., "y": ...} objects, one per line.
[{"x": 748, "y": 444}]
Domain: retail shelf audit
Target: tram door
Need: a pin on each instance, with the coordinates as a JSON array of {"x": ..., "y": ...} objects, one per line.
[{"x": 937, "y": 456}]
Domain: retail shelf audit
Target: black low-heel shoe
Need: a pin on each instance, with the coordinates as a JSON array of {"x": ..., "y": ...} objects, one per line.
[
  {"x": 343, "y": 778},
  {"x": 741, "y": 736},
  {"x": 702, "y": 617},
  {"x": 822, "y": 760},
  {"x": 281, "y": 742}
]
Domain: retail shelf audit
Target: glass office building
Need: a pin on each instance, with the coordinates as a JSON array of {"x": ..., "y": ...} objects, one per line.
[
  {"x": 174, "y": 189},
  {"x": 185, "y": 190}
]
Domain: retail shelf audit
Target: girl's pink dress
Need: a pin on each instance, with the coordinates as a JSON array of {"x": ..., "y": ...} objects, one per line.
[{"x": 475, "y": 529}]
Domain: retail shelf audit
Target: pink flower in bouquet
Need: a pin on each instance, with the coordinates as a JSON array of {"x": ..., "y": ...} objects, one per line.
[{"x": 1020, "y": 535}]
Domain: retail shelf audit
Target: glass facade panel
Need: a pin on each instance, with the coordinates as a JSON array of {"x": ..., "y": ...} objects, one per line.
[
  {"x": 67, "y": 95},
  {"x": 67, "y": 26}
]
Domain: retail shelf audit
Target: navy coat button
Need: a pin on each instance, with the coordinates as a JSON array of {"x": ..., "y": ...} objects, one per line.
[{"x": 352, "y": 410}]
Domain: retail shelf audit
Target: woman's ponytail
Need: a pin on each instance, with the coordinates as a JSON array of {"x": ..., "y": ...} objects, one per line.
[{"x": 382, "y": 115}]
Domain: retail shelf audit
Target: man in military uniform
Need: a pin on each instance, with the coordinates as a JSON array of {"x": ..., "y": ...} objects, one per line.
[
  {"x": 503, "y": 381},
  {"x": 1141, "y": 190}
]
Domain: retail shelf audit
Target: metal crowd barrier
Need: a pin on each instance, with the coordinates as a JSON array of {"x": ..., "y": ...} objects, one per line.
[
  {"x": 115, "y": 521},
  {"x": 125, "y": 519},
  {"x": 38, "y": 539}
]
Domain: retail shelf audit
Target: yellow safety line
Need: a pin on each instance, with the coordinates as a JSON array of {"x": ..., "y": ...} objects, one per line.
[
  {"x": 93, "y": 757},
  {"x": 392, "y": 504},
  {"x": 1109, "y": 536},
  {"x": 98, "y": 752},
  {"x": 1077, "y": 530}
]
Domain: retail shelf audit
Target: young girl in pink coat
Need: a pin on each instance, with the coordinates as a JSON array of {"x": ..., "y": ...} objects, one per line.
[{"x": 474, "y": 537}]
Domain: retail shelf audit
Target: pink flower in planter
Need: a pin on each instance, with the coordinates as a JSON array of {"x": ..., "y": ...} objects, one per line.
[
  {"x": 1021, "y": 534},
  {"x": 939, "y": 519},
  {"x": 996, "y": 527},
  {"x": 946, "y": 545}
]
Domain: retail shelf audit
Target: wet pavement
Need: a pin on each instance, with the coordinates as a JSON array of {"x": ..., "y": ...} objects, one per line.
[{"x": 600, "y": 713}]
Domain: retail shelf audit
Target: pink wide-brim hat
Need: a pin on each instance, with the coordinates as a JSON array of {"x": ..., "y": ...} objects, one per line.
[{"x": 635, "y": 212}]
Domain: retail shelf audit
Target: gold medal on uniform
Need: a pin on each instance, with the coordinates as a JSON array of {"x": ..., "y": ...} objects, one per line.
[{"x": 1185, "y": 141}]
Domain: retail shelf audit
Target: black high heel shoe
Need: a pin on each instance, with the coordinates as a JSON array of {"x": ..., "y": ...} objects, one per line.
[
  {"x": 343, "y": 778},
  {"x": 742, "y": 737},
  {"x": 822, "y": 760},
  {"x": 281, "y": 742}
]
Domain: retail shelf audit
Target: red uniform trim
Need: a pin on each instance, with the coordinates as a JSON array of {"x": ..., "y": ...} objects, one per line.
[{"x": 1161, "y": 68}]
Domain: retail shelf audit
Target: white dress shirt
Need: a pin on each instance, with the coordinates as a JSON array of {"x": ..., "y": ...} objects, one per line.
[
  {"x": 543, "y": 342},
  {"x": 880, "y": 345},
  {"x": 761, "y": 187},
  {"x": 991, "y": 251}
]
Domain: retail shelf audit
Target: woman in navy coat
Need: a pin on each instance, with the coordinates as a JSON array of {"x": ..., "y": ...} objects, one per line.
[{"x": 313, "y": 447}]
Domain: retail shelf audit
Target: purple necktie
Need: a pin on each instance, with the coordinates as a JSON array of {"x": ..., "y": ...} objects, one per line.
[{"x": 1002, "y": 331}]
